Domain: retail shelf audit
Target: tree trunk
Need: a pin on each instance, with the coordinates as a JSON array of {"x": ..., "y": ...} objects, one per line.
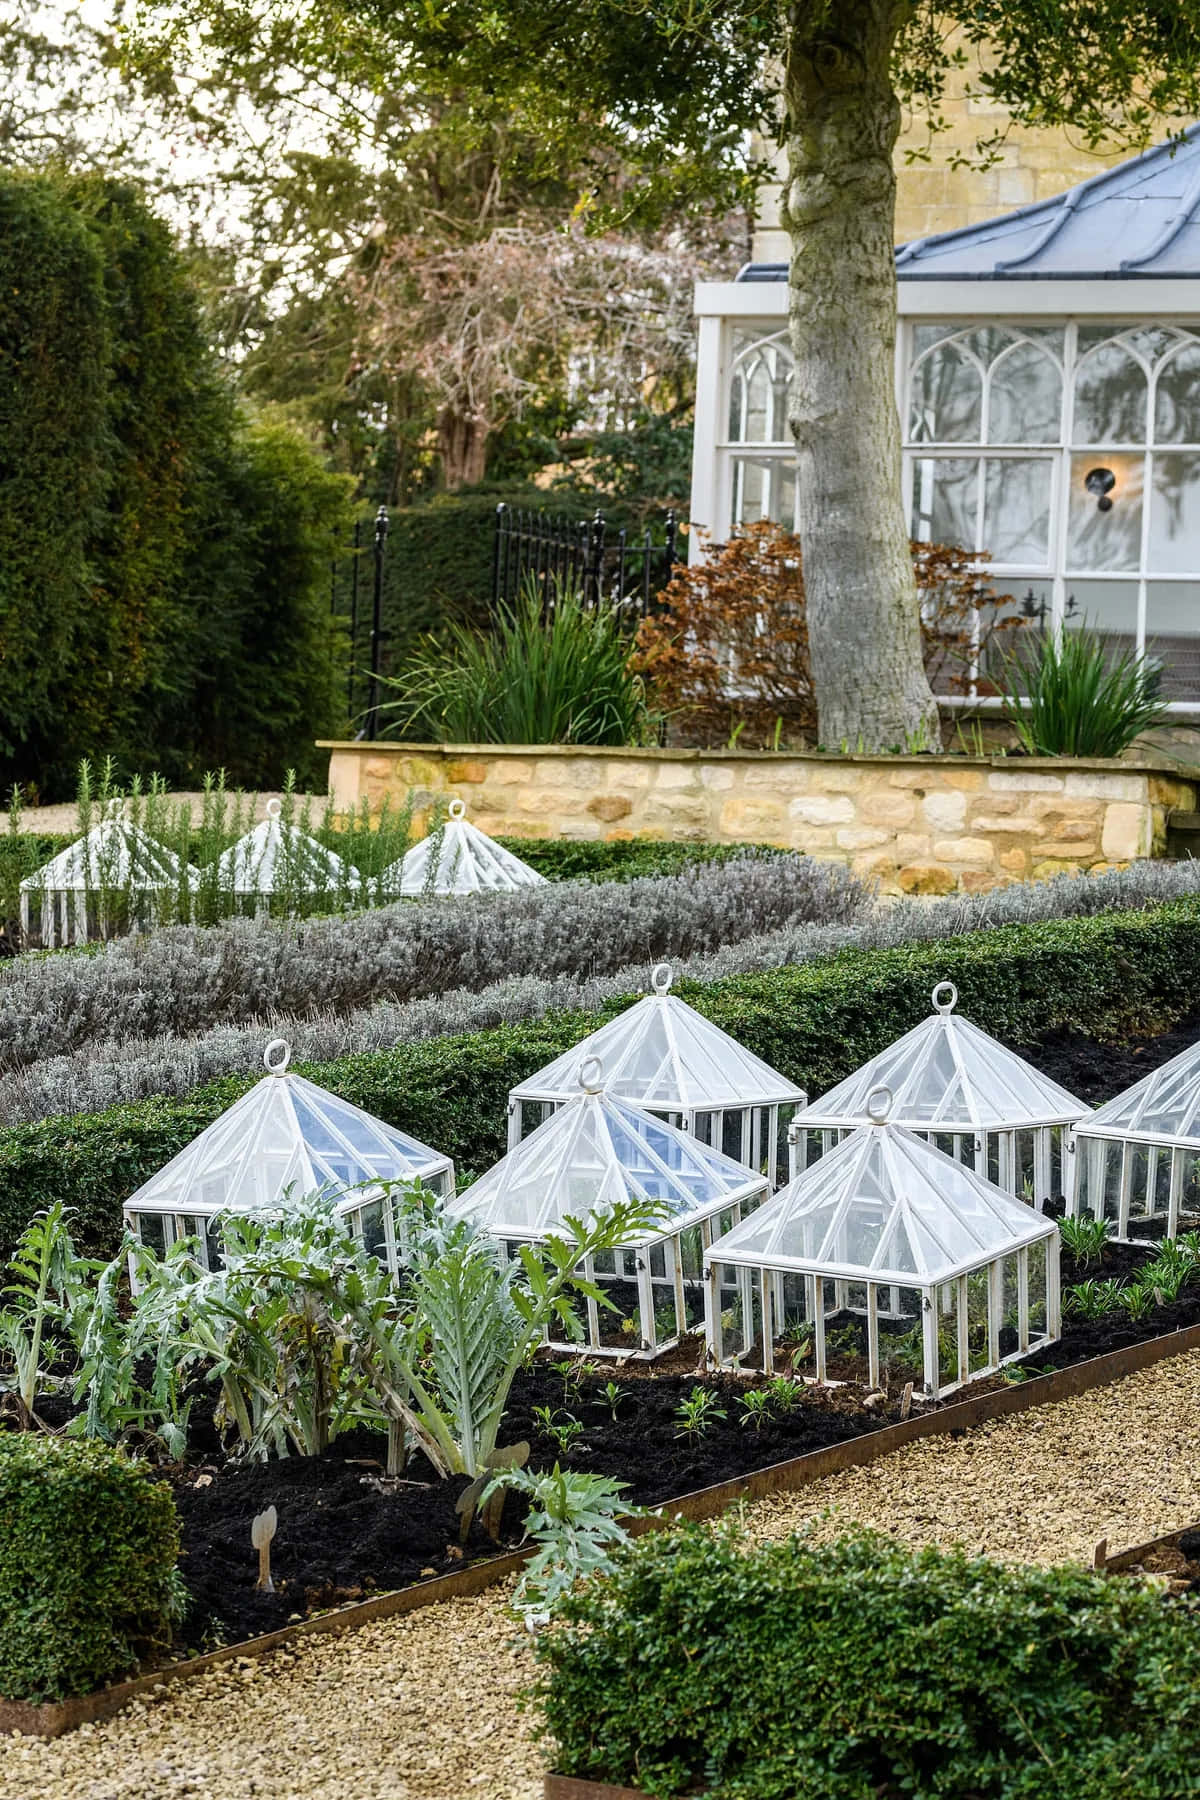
[
  {"x": 863, "y": 619},
  {"x": 462, "y": 445}
]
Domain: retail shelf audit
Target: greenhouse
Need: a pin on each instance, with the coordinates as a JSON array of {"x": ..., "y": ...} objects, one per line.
[
  {"x": 286, "y": 1136},
  {"x": 665, "y": 1057},
  {"x": 1048, "y": 389},
  {"x": 979, "y": 1102},
  {"x": 886, "y": 1255},
  {"x": 1137, "y": 1159},
  {"x": 596, "y": 1150},
  {"x": 458, "y": 858},
  {"x": 114, "y": 878},
  {"x": 277, "y": 857}
]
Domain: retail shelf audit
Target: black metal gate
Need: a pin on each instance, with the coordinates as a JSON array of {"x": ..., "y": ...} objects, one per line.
[{"x": 552, "y": 551}]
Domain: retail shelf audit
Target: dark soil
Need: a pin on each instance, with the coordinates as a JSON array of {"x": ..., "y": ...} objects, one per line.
[
  {"x": 1095, "y": 1072},
  {"x": 344, "y": 1532}
]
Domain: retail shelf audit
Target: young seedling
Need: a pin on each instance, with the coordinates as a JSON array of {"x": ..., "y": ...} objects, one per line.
[
  {"x": 562, "y": 1429},
  {"x": 698, "y": 1412},
  {"x": 784, "y": 1393},
  {"x": 262, "y": 1530},
  {"x": 757, "y": 1407},
  {"x": 611, "y": 1395},
  {"x": 1084, "y": 1238}
]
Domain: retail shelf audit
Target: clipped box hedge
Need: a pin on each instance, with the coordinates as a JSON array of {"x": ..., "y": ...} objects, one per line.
[
  {"x": 1111, "y": 974},
  {"x": 864, "y": 1670},
  {"x": 88, "y": 1548}
]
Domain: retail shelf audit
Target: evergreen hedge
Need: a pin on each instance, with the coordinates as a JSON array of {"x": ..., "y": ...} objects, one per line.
[
  {"x": 164, "y": 564},
  {"x": 1110, "y": 974},
  {"x": 868, "y": 1671},
  {"x": 87, "y": 1566},
  {"x": 54, "y": 349}
]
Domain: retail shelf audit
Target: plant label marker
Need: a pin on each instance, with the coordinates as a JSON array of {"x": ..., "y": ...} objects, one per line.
[
  {"x": 262, "y": 1530},
  {"x": 906, "y": 1400},
  {"x": 1100, "y": 1555}
]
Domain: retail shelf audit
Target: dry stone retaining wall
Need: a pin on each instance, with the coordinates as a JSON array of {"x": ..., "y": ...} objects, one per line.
[{"x": 918, "y": 824}]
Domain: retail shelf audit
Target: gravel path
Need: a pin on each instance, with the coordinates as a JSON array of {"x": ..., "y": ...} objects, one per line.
[{"x": 422, "y": 1707}]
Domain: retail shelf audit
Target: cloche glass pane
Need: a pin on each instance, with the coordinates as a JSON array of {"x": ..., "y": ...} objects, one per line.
[{"x": 1110, "y": 398}]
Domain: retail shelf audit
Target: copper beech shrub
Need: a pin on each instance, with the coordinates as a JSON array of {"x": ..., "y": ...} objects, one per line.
[{"x": 726, "y": 653}]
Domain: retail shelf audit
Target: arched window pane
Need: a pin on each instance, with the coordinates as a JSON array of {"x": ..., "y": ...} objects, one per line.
[
  {"x": 1110, "y": 398},
  {"x": 947, "y": 398},
  {"x": 1025, "y": 398},
  {"x": 945, "y": 501},
  {"x": 758, "y": 399},
  {"x": 1109, "y": 539},
  {"x": 1177, "y": 402}
]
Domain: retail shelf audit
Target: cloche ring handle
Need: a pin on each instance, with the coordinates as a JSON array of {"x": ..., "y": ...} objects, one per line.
[
  {"x": 273, "y": 1062},
  {"x": 274, "y": 808},
  {"x": 661, "y": 977},
  {"x": 880, "y": 1101},
  {"x": 456, "y": 810},
  {"x": 591, "y": 1075},
  {"x": 944, "y": 1006}
]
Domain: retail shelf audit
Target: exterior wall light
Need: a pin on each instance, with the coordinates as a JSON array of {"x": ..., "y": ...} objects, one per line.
[{"x": 1101, "y": 482}]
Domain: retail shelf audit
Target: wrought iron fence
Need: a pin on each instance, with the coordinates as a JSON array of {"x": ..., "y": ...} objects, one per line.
[{"x": 552, "y": 551}]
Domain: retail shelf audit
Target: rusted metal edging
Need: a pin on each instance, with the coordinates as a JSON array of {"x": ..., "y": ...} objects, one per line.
[{"x": 53, "y": 1719}]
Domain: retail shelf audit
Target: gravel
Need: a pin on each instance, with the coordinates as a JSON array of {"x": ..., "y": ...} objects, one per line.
[{"x": 423, "y": 1707}]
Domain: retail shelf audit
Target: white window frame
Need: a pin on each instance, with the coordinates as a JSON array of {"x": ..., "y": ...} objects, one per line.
[{"x": 725, "y": 309}]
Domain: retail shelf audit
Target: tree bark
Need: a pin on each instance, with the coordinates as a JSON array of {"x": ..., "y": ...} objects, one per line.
[
  {"x": 863, "y": 618},
  {"x": 462, "y": 445}
]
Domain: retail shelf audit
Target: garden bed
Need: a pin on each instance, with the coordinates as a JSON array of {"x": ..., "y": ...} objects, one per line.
[{"x": 346, "y": 1531}]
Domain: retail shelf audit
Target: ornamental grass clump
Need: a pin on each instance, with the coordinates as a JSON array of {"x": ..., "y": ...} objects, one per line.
[
  {"x": 88, "y": 1579},
  {"x": 864, "y": 1670},
  {"x": 554, "y": 673},
  {"x": 1076, "y": 694}
]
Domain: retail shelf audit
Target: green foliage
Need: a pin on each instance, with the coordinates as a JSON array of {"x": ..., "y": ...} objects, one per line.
[
  {"x": 438, "y": 568},
  {"x": 1084, "y": 1237},
  {"x": 564, "y": 679},
  {"x": 863, "y": 1668},
  {"x": 573, "y": 1519},
  {"x": 164, "y": 567},
  {"x": 697, "y": 1412},
  {"x": 1074, "y": 695},
  {"x": 269, "y": 671},
  {"x": 815, "y": 1022},
  {"x": 53, "y": 359},
  {"x": 1092, "y": 1299},
  {"x": 618, "y": 859},
  {"x": 45, "y": 1278},
  {"x": 88, "y": 1585}
]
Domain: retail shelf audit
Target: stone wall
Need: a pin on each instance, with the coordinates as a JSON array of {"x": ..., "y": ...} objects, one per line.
[{"x": 918, "y": 824}]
